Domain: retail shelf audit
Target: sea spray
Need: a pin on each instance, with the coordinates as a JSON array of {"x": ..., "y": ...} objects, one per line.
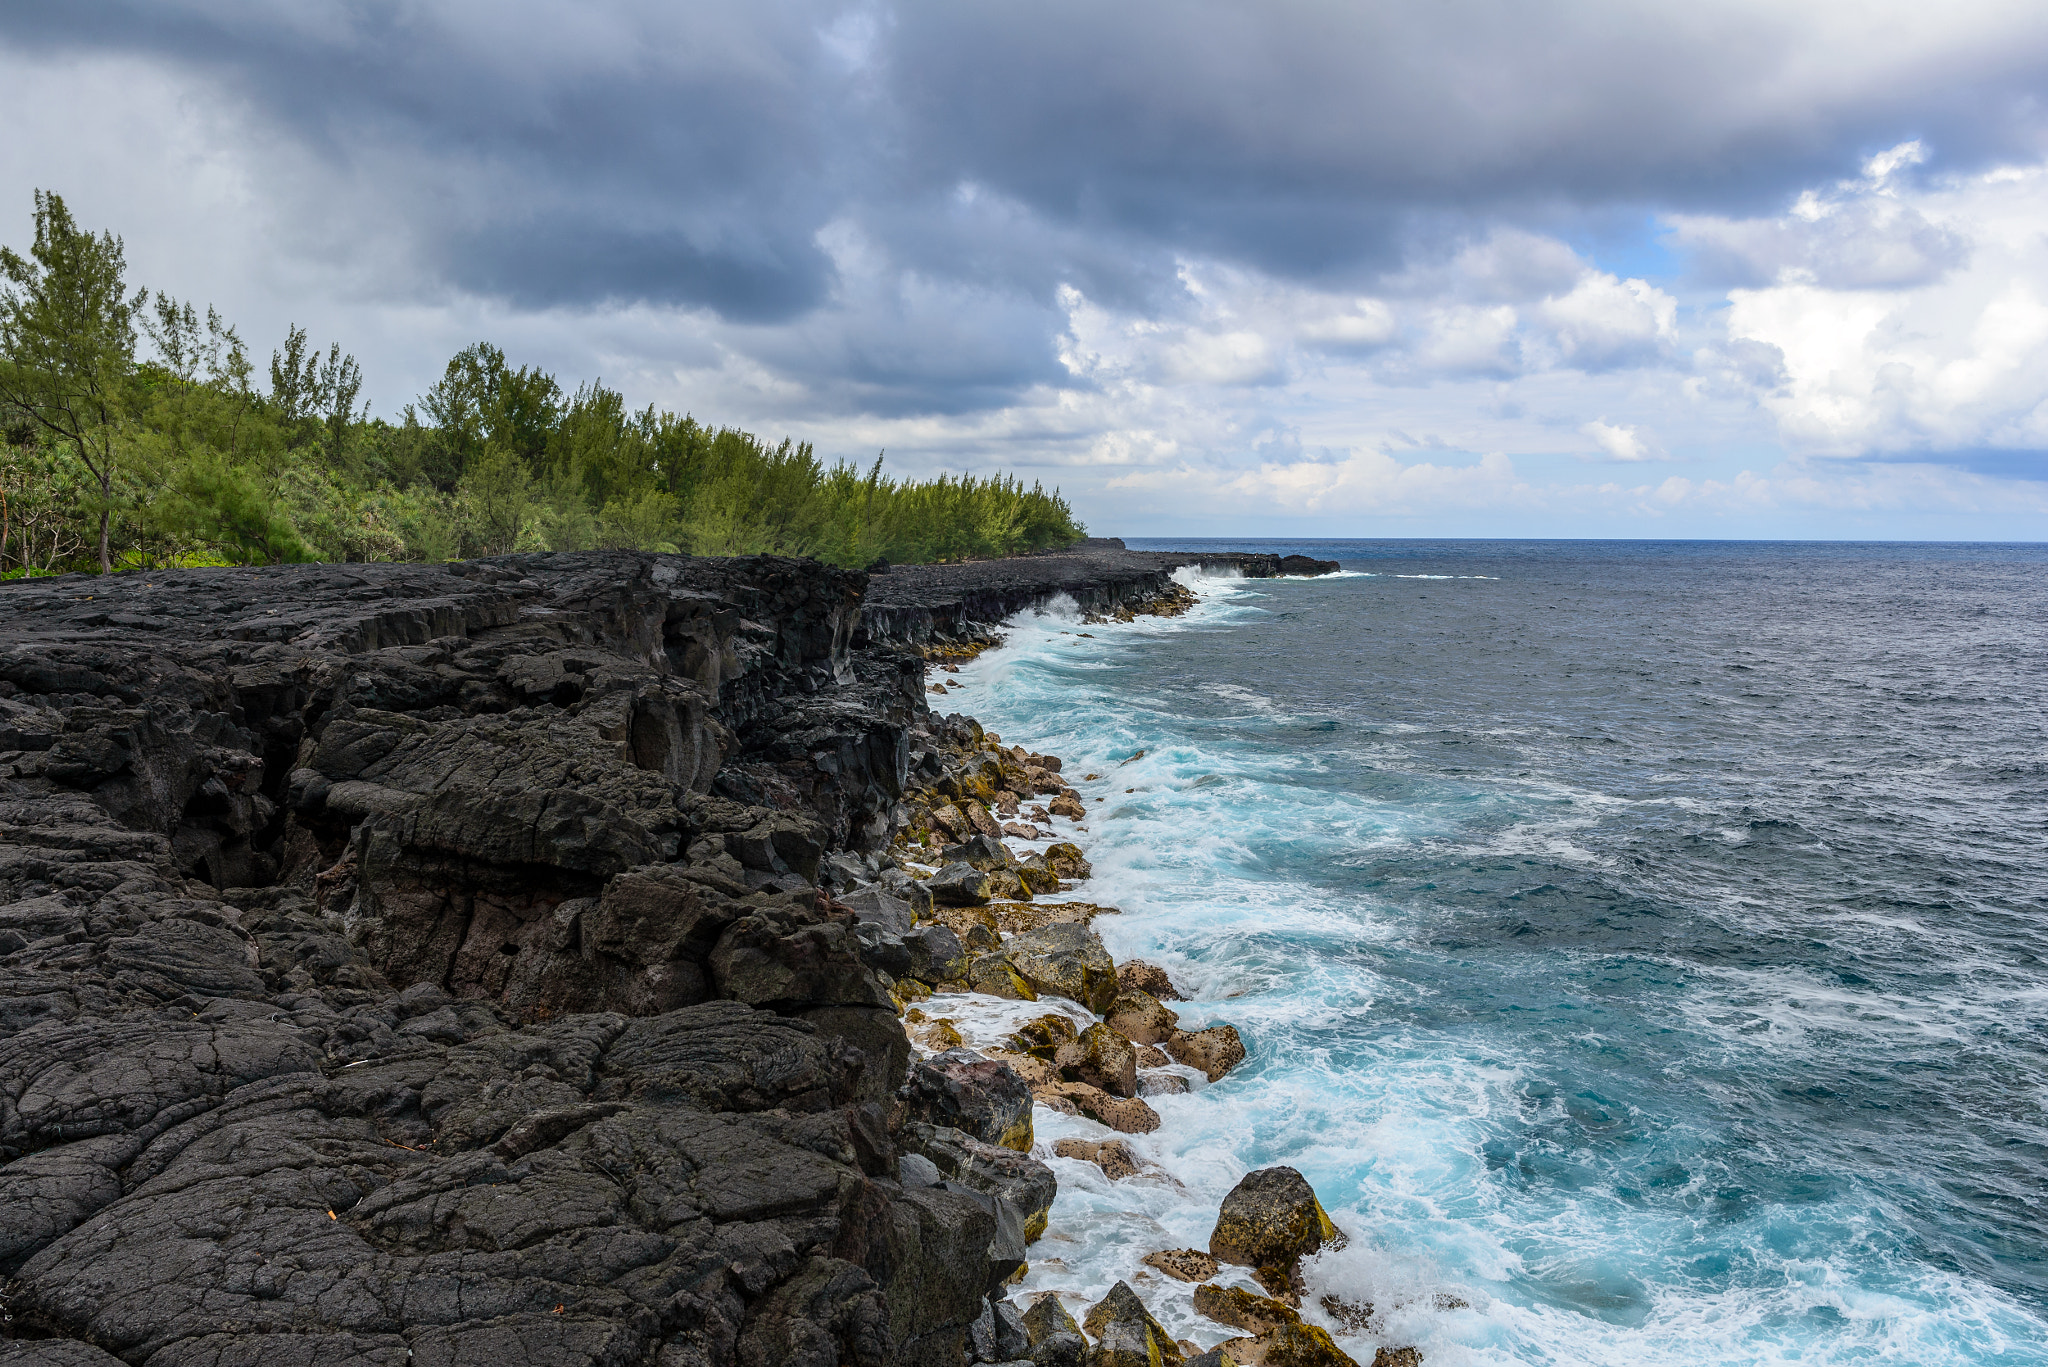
[{"x": 1543, "y": 1157}]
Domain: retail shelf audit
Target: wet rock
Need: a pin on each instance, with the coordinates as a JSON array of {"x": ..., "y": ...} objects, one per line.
[
  {"x": 1068, "y": 806},
  {"x": 1307, "y": 565},
  {"x": 1185, "y": 1264},
  {"x": 1215, "y": 1051},
  {"x": 1126, "y": 1335},
  {"x": 995, "y": 974},
  {"x": 1397, "y": 1357},
  {"x": 936, "y": 955},
  {"x": 1027, "y": 1184},
  {"x": 1151, "y": 1056},
  {"x": 1018, "y": 917},
  {"x": 1219, "y": 1356},
  {"x": 1136, "y": 975},
  {"x": 962, "y": 1090},
  {"x": 959, "y": 885},
  {"x": 1065, "y": 859},
  {"x": 1067, "y": 960},
  {"x": 1113, "y": 1156},
  {"x": 983, "y": 852},
  {"x": 1044, "y": 1036},
  {"x": 1269, "y": 1222},
  {"x": 1163, "y": 1084},
  {"x": 1100, "y": 1057},
  {"x": 1241, "y": 1309},
  {"x": 1036, "y": 1072},
  {"x": 1127, "y": 1115},
  {"x": 975, "y": 926},
  {"x": 1140, "y": 1017},
  {"x": 1047, "y": 1317}
]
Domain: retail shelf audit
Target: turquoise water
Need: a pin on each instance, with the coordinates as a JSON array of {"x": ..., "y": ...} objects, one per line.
[{"x": 1640, "y": 947}]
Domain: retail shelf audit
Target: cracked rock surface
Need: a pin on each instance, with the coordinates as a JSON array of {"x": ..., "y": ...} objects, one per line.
[{"x": 439, "y": 964}]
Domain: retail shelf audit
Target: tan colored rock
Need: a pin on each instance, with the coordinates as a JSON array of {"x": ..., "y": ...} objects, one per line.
[
  {"x": 1141, "y": 1018},
  {"x": 1018, "y": 917},
  {"x": 1397, "y": 1357},
  {"x": 1301, "y": 1345},
  {"x": 1136, "y": 975},
  {"x": 1042, "y": 1037},
  {"x": 1126, "y": 1335},
  {"x": 976, "y": 926},
  {"x": 1354, "y": 1316},
  {"x": 1101, "y": 1058},
  {"x": 1047, "y": 1317},
  {"x": 1006, "y": 804},
  {"x": 1269, "y": 1222},
  {"x": 1152, "y": 1056},
  {"x": 1240, "y": 1309},
  {"x": 1066, "y": 960},
  {"x": 1113, "y": 1156},
  {"x": 1126, "y": 1115},
  {"x": 1039, "y": 881},
  {"x": 1163, "y": 1084},
  {"x": 994, "y": 974},
  {"x": 1065, "y": 858},
  {"x": 1186, "y": 1264},
  {"x": 1036, "y": 1072},
  {"x": 1215, "y": 1051},
  {"x": 1068, "y": 806},
  {"x": 939, "y": 1035},
  {"x": 952, "y": 821}
]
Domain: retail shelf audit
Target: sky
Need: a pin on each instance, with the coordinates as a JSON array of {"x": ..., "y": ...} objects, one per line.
[{"x": 1256, "y": 268}]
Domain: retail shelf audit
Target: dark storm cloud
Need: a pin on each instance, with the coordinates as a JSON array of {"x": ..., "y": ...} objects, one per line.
[{"x": 563, "y": 155}]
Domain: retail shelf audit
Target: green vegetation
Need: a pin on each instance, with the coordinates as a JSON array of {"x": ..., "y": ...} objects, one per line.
[{"x": 119, "y": 455}]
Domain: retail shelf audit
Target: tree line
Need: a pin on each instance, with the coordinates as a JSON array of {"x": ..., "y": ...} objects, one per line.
[{"x": 137, "y": 433}]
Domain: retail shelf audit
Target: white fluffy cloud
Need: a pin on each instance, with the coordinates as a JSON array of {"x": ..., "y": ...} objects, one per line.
[{"x": 1904, "y": 320}]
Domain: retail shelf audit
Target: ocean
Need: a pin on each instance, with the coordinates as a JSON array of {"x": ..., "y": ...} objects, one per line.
[{"x": 1642, "y": 947}]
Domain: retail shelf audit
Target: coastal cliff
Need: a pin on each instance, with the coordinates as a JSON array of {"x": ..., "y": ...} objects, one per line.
[{"x": 445, "y": 963}]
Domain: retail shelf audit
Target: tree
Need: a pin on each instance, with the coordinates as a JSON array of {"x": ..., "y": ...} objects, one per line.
[{"x": 67, "y": 342}]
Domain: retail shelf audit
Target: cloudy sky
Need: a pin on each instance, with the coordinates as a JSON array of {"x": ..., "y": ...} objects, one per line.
[{"x": 1439, "y": 267}]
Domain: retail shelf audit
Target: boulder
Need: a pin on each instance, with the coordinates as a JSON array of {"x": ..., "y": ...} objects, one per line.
[
  {"x": 1219, "y": 1356},
  {"x": 1067, "y": 960},
  {"x": 1126, "y": 1335},
  {"x": 1184, "y": 1264},
  {"x": 1046, "y": 1317},
  {"x": 1397, "y": 1357},
  {"x": 996, "y": 975},
  {"x": 1163, "y": 1084},
  {"x": 1127, "y": 1115},
  {"x": 1241, "y": 1309},
  {"x": 1100, "y": 1057},
  {"x": 1307, "y": 565},
  {"x": 1113, "y": 1156},
  {"x": 936, "y": 955},
  {"x": 1065, "y": 858},
  {"x": 964, "y": 1091},
  {"x": 959, "y": 885},
  {"x": 1215, "y": 1051},
  {"x": 873, "y": 906},
  {"x": 983, "y": 851},
  {"x": 1036, "y": 1072},
  {"x": 1068, "y": 806},
  {"x": 1015, "y": 1176},
  {"x": 1043, "y": 1036},
  {"x": 1269, "y": 1222},
  {"x": 1136, "y": 975},
  {"x": 1060, "y": 1350},
  {"x": 976, "y": 926},
  {"x": 1141, "y": 1018}
]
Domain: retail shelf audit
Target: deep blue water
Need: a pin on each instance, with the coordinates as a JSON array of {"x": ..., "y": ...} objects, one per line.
[{"x": 1643, "y": 944}]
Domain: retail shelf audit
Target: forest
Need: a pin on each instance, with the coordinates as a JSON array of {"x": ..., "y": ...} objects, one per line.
[{"x": 137, "y": 432}]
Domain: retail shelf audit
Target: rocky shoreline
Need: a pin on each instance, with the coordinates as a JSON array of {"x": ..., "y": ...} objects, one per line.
[{"x": 513, "y": 959}]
